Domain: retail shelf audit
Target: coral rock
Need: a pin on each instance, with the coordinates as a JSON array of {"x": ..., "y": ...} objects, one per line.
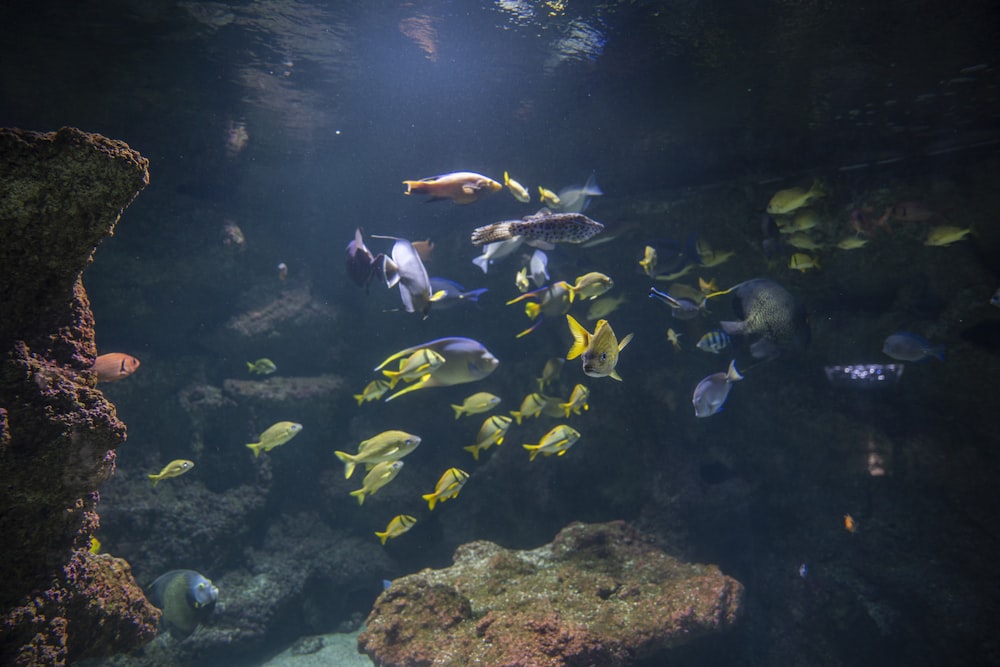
[{"x": 597, "y": 595}]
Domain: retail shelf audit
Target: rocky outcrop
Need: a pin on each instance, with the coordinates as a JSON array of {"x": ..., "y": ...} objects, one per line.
[
  {"x": 60, "y": 194},
  {"x": 598, "y": 595}
]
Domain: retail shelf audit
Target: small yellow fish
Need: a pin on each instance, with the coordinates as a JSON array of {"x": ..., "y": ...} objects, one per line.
[
  {"x": 803, "y": 262},
  {"x": 375, "y": 390},
  {"x": 599, "y": 350},
  {"x": 386, "y": 446},
  {"x": 852, "y": 243},
  {"x": 556, "y": 441},
  {"x": 675, "y": 339},
  {"x": 462, "y": 187},
  {"x": 478, "y": 403},
  {"x": 792, "y": 199},
  {"x": 604, "y": 306},
  {"x": 420, "y": 363},
  {"x": 380, "y": 475},
  {"x": 707, "y": 259},
  {"x": 275, "y": 435},
  {"x": 398, "y": 525},
  {"x": 95, "y": 545},
  {"x": 262, "y": 366},
  {"x": 521, "y": 280},
  {"x": 590, "y": 286},
  {"x": 945, "y": 235},
  {"x": 516, "y": 189},
  {"x": 491, "y": 433},
  {"x": 531, "y": 406},
  {"x": 448, "y": 486},
  {"x": 648, "y": 261},
  {"x": 803, "y": 221},
  {"x": 707, "y": 286},
  {"x": 577, "y": 400},
  {"x": 175, "y": 468},
  {"x": 803, "y": 241},
  {"x": 548, "y": 197},
  {"x": 553, "y": 367}
]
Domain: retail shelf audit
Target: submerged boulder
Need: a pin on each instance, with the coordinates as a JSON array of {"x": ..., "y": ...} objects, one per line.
[{"x": 597, "y": 595}]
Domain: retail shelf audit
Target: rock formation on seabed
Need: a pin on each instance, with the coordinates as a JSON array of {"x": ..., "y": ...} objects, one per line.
[
  {"x": 598, "y": 595},
  {"x": 60, "y": 194}
]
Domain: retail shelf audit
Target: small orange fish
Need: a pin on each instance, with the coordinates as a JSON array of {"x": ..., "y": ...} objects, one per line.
[
  {"x": 114, "y": 366},
  {"x": 462, "y": 187},
  {"x": 850, "y": 525}
]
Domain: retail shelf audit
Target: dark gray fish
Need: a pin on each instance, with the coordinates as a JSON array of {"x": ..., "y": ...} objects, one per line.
[
  {"x": 769, "y": 313},
  {"x": 362, "y": 266},
  {"x": 186, "y": 599},
  {"x": 542, "y": 226}
]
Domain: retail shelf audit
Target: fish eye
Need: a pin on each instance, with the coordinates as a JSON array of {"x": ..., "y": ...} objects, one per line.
[
  {"x": 604, "y": 356},
  {"x": 408, "y": 441}
]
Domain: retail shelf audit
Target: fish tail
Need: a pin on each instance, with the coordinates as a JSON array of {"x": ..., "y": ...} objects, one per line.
[
  {"x": 531, "y": 309},
  {"x": 581, "y": 338},
  {"x": 412, "y": 187},
  {"x": 506, "y": 178},
  {"x": 474, "y": 450},
  {"x": 483, "y": 262},
  {"x": 532, "y": 451},
  {"x": 419, "y": 384},
  {"x": 255, "y": 447},
  {"x": 530, "y": 329},
  {"x": 732, "y": 374},
  {"x": 360, "y": 495},
  {"x": 156, "y": 478},
  {"x": 393, "y": 378},
  {"x": 382, "y": 536},
  {"x": 249, "y": 366},
  {"x": 458, "y": 410},
  {"x": 498, "y": 231},
  {"x": 516, "y": 415},
  {"x": 360, "y": 398},
  {"x": 349, "y": 463},
  {"x": 431, "y": 499}
]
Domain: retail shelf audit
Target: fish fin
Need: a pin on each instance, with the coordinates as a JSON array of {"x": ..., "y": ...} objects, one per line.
[
  {"x": 733, "y": 328},
  {"x": 438, "y": 296},
  {"x": 614, "y": 376},
  {"x": 360, "y": 495},
  {"x": 483, "y": 262},
  {"x": 498, "y": 231},
  {"x": 249, "y": 366},
  {"x": 531, "y": 309},
  {"x": 349, "y": 464},
  {"x": 255, "y": 447},
  {"x": 732, "y": 374},
  {"x": 722, "y": 293},
  {"x": 625, "y": 341},
  {"x": 431, "y": 499},
  {"x": 399, "y": 354},
  {"x": 423, "y": 382},
  {"x": 360, "y": 398},
  {"x": 474, "y": 450},
  {"x": 458, "y": 410},
  {"x": 516, "y": 415},
  {"x": 382, "y": 536},
  {"x": 156, "y": 480},
  {"x": 581, "y": 337},
  {"x": 531, "y": 328},
  {"x": 532, "y": 451},
  {"x": 561, "y": 452}
]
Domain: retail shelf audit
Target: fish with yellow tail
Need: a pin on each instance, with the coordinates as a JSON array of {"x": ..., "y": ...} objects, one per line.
[
  {"x": 380, "y": 475},
  {"x": 803, "y": 262},
  {"x": 557, "y": 441},
  {"x": 175, "y": 468},
  {"x": 478, "y": 403},
  {"x": 262, "y": 366},
  {"x": 465, "y": 360},
  {"x": 945, "y": 235},
  {"x": 519, "y": 191},
  {"x": 373, "y": 391},
  {"x": 419, "y": 364},
  {"x": 542, "y": 226},
  {"x": 397, "y": 526},
  {"x": 577, "y": 400},
  {"x": 448, "y": 487},
  {"x": 792, "y": 199},
  {"x": 599, "y": 350},
  {"x": 491, "y": 433},
  {"x": 548, "y": 197},
  {"x": 462, "y": 187},
  {"x": 531, "y": 406},
  {"x": 712, "y": 392},
  {"x": 275, "y": 435},
  {"x": 386, "y": 446},
  {"x": 550, "y": 301},
  {"x": 591, "y": 285}
]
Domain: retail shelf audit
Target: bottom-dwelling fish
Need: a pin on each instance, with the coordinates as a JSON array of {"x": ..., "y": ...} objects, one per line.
[
  {"x": 542, "y": 226},
  {"x": 448, "y": 486},
  {"x": 186, "y": 599},
  {"x": 711, "y": 393},
  {"x": 465, "y": 360},
  {"x": 598, "y": 350}
]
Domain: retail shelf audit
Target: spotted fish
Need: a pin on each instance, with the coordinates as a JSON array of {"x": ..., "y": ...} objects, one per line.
[
  {"x": 769, "y": 314},
  {"x": 541, "y": 226}
]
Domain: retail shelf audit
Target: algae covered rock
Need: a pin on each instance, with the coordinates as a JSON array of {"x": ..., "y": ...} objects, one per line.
[{"x": 598, "y": 594}]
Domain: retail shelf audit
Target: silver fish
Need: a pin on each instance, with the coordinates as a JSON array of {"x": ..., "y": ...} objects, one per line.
[
  {"x": 543, "y": 226},
  {"x": 405, "y": 269},
  {"x": 576, "y": 198},
  {"x": 712, "y": 392},
  {"x": 494, "y": 252}
]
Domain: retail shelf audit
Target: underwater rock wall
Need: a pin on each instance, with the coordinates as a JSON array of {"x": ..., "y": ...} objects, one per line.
[{"x": 61, "y": 193}]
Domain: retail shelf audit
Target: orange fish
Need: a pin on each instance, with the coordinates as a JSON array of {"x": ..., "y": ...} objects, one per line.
[
  {"x": 850, "y": 525},
  {"x": 462, "y": 187},
  {"x": 114, "y": 366}
]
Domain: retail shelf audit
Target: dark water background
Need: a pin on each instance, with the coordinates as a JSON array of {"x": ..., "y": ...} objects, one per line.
[{"x": 692, "y": 114}]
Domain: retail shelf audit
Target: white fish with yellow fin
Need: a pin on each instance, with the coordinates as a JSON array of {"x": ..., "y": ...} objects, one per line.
[
  {"x": 531, "y": 406},
  {"x": 389, "y": 445},
  {"x": 578, "y": 400},
  {"x": 557, "y": 441},
  {"x": 491, "y": 433},
  {"x": 380, "y": 475},
  {"x": 448, "y": 487},
  {"x": 274, "y": 436},
  {"x": 398, "y": 525},
  {"x": 478, "y": 403},
  {"x": 373, "y": 391}
]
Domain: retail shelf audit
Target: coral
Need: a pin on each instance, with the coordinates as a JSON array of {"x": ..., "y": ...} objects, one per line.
[
  {"x": 598, "y": 595},
  {"x": 293, "y": 307},
  {"x": 60, "y": 194}
]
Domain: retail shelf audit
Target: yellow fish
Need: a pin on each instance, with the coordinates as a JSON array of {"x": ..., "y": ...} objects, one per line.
[
  {"x": 420, "y": 363},
  {"x": 590, "y": 286},
  {"x": 577, "y": 400},
  {"x": 462, "y": 187},
  {"x": 516, "y": 189},
  {"x": 95, "y": 545},
  {"x": 380, "y": 475},
  {"x": 521, "y": 280},
  {"x": 478, "y": 403},
  {"x": 604, "y": 306},
  {"x": 175, "y": 468},
  {"x": 448, "y": 486},
  {"x": 531, "y": 406},
  {"x": 375, "y": 390},
  {"x": 599, "y": 350},
  {"x": 275, "y": 435},
  {"x": 548, "y": 197},
  {"x": 648, "y": 261},
  {"x": 803, "y": 241},
  {"x": 556, "y": 441},
  {"x": 397, "y": 526},
  {"x": 803, "y": 262},
  {"x": 792, "y": 199},
  {"x": 707, "y": 286},
  {"x": 946, "y": 235},
  {"x": 551, "y": 301},
  {"x": 491, "y": 433},
  {"x": 803, "y": 221},
  {"x": 675, "y": 339},
  {"x": 553, "y": 367},
  {"x": 261, "y": 366},
  {"x": 708, "y": 259},
  {"x": 386, "y": 446},
  {"x": 852, "y": 243}
]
